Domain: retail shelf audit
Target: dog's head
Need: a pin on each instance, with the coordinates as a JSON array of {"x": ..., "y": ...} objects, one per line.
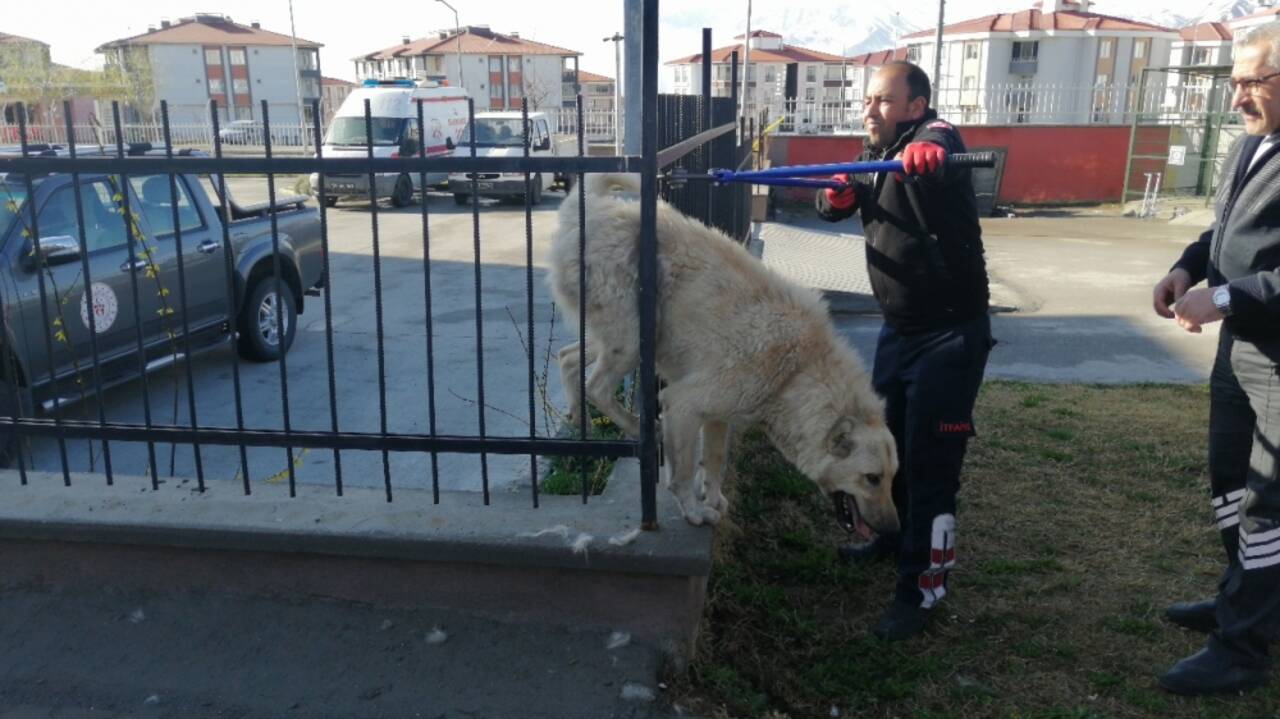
[{"x": 859, "y": 462}]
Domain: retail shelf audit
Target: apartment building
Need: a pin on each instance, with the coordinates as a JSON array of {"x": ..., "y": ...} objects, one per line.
[
  {"x": 210, "y": 57},
  {"x": 496, "y": 69}
]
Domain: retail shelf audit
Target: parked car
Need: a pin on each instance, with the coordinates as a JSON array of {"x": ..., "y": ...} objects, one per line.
[
  {"x": 501, "y": 134},
  {"x": 393, "y": 131},
  {"x": 103, "y": 245},
  {"x": 252, "y": 132}
]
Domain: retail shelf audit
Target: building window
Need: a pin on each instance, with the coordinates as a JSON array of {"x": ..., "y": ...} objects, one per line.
[
  {"x": 495, "y": 92},
  {"x": 810, "y": 93},
  {"x": 240, "y": 85},
  {"x": 213, "y": 57},
  {"x": 913, "y": 53},
  {"x": 1139, "y": 49},
  {"x": 1104, "y": 50},
  {"x": 513, "y": 63},
  {"x": 1200, "y": 56},
  {"x": 216, "y": 87},
  {"x": 770, "y": 74},
  {"x": 495, "y": 64},
  {"x": 971, "y": 51},
  {"x": 244, "y": 113},
  {"x": 308, "y": 60},
  {"x": 1101, "y": 80},
  {"x": 1026, "y": 51},
  {"x": 310, "y": 87},
  {"x": 810, "y": 74},
  {"x": 968, "y": 83},
  {"x": 237, "y": 56},
  {"x": 833, "y": 72}
]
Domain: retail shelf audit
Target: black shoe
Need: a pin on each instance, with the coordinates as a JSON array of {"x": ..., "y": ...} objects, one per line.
[
  {"x": 900, "y": 621},
  {"x": 1201, "y": 616},
  {"x": 884, "y": 546},
  {"x": 1211, "y": 671}
]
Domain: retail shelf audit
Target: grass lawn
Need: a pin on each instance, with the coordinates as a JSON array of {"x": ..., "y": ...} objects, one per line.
[{"x": 1083, "y": 513}]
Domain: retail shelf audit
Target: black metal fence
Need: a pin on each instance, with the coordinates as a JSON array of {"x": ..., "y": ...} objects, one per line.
[{"x": 277, "y": 272}]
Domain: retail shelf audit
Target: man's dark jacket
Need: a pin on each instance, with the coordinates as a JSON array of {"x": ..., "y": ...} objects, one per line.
[
  {"x": 1242, "y": 246},
  {"x": 924, "y": 244}
]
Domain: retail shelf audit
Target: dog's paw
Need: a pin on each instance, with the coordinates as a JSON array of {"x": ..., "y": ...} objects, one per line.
[
  {"x": 718, "y": 502},
  {"x": 699, "y": 514}
]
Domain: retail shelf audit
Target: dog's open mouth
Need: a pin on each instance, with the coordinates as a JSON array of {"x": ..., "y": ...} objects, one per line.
[{"x": 849, "y": 517}]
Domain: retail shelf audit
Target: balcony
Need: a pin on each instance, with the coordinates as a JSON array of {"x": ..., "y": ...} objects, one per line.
[{"x": 1022, "y": 67}]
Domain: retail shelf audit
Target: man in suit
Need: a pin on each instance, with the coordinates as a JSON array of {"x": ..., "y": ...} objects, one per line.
[{"x": 1239, "y": 256}]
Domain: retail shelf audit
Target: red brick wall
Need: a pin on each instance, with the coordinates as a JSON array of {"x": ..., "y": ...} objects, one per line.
[{"x": 1043, "y": 164}]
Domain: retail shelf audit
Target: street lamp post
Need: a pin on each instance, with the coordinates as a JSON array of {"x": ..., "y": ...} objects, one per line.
[
  {"x": 457, "y": 34},
  {"x": 616, "y": 39}
]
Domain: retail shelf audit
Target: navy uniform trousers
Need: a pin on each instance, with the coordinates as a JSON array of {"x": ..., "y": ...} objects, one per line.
[
  {"x": 1244, "y": 432},
  {"x": 929, "y": 381}
]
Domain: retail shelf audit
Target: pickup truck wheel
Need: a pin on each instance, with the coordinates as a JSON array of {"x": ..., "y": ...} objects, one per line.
[
  {"x": 260, "y": 339},
  {"x": 536, "y": 196},
  {"x": 403, "y": 194},
  {"x": 330, "y": 202},
  {"x": 566, "y": 183},
  {"x": 460, "y": 199}
]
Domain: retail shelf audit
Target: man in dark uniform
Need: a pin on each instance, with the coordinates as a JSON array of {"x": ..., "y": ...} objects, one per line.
[
  {"x": 1239, "y": 256},
  {"x": 924, "y": 258}
]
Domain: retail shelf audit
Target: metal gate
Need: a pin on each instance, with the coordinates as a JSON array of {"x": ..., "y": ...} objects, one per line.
[
  {"x": 291, "y": 437},
  {"x": 1178, "y": 141}
]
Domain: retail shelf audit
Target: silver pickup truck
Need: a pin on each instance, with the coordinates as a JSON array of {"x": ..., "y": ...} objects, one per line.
[{"x": 95, "y": 234}]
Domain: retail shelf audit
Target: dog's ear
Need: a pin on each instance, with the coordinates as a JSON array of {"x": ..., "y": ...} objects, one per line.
[{"x": 840, "y": 438}]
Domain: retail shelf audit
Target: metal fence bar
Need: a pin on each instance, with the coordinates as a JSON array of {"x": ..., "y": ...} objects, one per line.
[
  {"x": 278, "y": 287},
  {"x": 479, "y": 279},
  {"x": 303, "y": 165},
  {"x": 91, "y": 315},
  {"x": 426, "y": 273},
  {"x": 132, "y": 234},
  {"x": 528, "y": 264},
  {"x": 377, "y": 298},
  {"x": 46, "y": 328},
  {"x": 649, "y": 270},
  {"x": 365, "y": 441},
  {"x": 584, "y": 417},
  {"x": 707, "y": 120},
  {"x": 327, "y": 275},
  {"x": 233, "y": 303},
  {"x": 182, "y": 301}
]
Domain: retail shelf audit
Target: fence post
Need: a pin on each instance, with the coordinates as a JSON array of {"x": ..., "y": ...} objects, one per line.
[
  {"x": 648, "y": 265},
  {"x": 706, "y": 120}
]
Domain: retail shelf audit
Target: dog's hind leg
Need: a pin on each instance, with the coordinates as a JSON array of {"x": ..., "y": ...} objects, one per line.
[
  {"x": 612, "y": 365},
  {"x": 570, "y": 371},
  {"x": 715, "y": 450},
  {"x": 680, "y": 445}
]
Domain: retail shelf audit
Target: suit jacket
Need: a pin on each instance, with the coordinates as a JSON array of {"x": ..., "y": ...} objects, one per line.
[{"x": 1242, "y": 246}]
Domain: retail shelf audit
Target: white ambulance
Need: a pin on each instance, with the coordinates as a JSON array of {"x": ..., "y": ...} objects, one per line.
[{"x": 393, "y": 109}]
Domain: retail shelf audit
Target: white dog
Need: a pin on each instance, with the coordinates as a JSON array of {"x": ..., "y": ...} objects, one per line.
[{"x": 736, "y": 344}]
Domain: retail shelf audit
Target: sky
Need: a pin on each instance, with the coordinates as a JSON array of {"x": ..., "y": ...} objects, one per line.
[{"x": 345, "y": 34}]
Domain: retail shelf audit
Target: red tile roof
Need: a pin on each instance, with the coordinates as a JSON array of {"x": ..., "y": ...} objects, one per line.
[
  {"x": 1035, "y": 19},
  {"x": 209, "y": 30},
  {"x": 788, "y": 54},
  {"x": 475, "y": 41},
  {"x": 584, "y": 76},
  {"x": 1206, "y": 31},
  {"x": 759, "y": 33},
  {"x": 879, "y": 57}
]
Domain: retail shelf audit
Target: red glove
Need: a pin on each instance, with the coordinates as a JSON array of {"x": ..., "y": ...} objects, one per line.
[
  {"x": 841, "y": 199},
  {"x": 923, "y": 158}
]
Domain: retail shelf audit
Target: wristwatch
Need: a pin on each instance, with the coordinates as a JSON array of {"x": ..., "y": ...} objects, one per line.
[{"x": 1222, "y": 299}]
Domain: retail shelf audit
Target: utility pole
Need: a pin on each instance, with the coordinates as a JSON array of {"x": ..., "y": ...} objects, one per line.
[
  {"x": 937, "y": 53},
  {"x": 297, "y": 78},
  {"x": 617, "y": 39},
  {"x": 457, "y": 34}
]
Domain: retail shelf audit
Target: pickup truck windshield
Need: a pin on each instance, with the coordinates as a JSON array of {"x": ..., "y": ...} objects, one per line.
[
  {"x": 492, "y": 132},
  {"x": 351, "y": 131}
]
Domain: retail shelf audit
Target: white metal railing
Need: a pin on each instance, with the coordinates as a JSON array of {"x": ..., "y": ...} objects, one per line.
[
  {"x": 285, "y": 137},
  {"x": 597, "y": 125}
]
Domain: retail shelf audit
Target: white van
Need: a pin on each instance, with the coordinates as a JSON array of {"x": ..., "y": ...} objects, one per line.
[
  {"x": 501, "y": 134},
  {"x": 393, "y": 109}
]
